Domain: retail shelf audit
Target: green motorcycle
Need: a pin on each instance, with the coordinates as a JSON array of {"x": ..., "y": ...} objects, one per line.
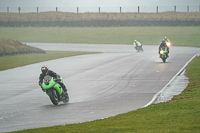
[
  {"x": 54, "y": 90},
  {"x": 163, "y": 54}
]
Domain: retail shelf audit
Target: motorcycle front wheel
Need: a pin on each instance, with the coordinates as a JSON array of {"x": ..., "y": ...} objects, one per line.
[
  {"x": 53, "y": 96},
  {"x": 164, "y": 60}
]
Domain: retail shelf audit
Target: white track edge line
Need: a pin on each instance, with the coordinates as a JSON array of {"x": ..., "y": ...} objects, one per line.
[{"x": 179, "y": 72}]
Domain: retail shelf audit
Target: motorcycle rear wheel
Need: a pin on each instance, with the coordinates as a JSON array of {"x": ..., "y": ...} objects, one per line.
[{"x": 66, "y": 98}]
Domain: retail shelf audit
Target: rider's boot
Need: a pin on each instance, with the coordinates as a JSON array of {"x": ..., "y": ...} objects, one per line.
[{"x": 64, "y": 88}]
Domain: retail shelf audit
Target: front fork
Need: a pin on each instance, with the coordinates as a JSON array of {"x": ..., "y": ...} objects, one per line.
[{"x": 55, "y": 92}]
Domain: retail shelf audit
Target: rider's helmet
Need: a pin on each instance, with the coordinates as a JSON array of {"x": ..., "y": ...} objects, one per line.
[
  {"x": 44, "y": 69},
  {"x": 135, "y": 40},
  {"x": 163, "y": 40}
]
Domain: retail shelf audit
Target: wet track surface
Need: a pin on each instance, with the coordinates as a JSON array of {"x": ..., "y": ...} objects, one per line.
[{"x": 99, "y": 85}]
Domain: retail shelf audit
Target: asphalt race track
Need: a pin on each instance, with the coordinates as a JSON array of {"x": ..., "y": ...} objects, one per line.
[{"x": 99, "y": 85}]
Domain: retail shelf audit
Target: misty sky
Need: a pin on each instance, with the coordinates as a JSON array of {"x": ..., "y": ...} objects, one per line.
[{"x": 97, "y": 3}]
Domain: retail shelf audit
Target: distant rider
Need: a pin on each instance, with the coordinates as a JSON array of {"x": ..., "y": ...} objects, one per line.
[
  {"x": 163, "y": 45},
  {"x": 135, "y": 43},
  {"x": 166, "y": 39},
  {"x": 45, "y": 71}
]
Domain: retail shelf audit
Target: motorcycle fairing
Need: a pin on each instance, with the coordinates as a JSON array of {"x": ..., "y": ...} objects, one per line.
[
  {"x": 165, "y": 51},
  {"x": 52, "y": 84}
]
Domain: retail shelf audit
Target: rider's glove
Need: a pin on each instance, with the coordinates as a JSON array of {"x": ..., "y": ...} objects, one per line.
[
  {"x": 42, "y": 89},
  {"x": 40, "y": 84}
]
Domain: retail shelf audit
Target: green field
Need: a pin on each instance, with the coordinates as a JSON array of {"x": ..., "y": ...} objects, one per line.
[{"x": 179, "y": 36}]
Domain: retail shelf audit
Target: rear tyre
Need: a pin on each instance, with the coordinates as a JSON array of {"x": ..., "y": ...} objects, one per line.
[
  {"x": 53, "y": 96},
  {"x": 66, "y": 100}
]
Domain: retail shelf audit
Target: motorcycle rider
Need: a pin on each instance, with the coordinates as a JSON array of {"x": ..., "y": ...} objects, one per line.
[
  {"x": 166, "y": 39},
  {"x": 135, "y": 43},
  {"x": 163, "y": 45},
  {"x": 45, "y": 71}
]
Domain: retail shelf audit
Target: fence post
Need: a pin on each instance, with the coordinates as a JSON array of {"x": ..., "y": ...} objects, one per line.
[
  {"x": 138, "y": 9},
  {"x": 7, "y": 9},
  {"x": 37, "y": 9},
  {"x": 157, "y": 9},
  {"x": 77, "y": 9},
  {"x": 187, "y": 8},
  {"x": 120, "y": 9},
  {"x": 99, "y": 10},
  {"x": 56, "y": 9},
  {"x": 19, "y": 9},
  {"x": 174, "y": 8}
]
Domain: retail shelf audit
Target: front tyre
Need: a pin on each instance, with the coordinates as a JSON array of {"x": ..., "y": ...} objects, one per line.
[
  {"x": 164, "y": 60},
  {"x": 53, "y": 96}
]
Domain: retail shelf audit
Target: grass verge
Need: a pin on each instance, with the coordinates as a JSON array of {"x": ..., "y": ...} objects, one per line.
[
  {"x": 8, "y": 62},
  {"x": 179, "y": 36},
  {"x": 180, "y": 115}
]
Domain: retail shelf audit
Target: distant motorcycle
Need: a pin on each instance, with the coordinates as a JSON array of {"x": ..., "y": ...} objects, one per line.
[
  {"x": 163, "y": 54},
  {"x": 54, "y": 90},
  {"x": 139, "y": 47}
]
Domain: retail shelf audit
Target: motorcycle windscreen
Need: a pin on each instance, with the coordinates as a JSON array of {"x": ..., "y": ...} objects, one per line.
[
  {"x": 47, "y": 79},
  {"x": 48, "y": 82}
]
